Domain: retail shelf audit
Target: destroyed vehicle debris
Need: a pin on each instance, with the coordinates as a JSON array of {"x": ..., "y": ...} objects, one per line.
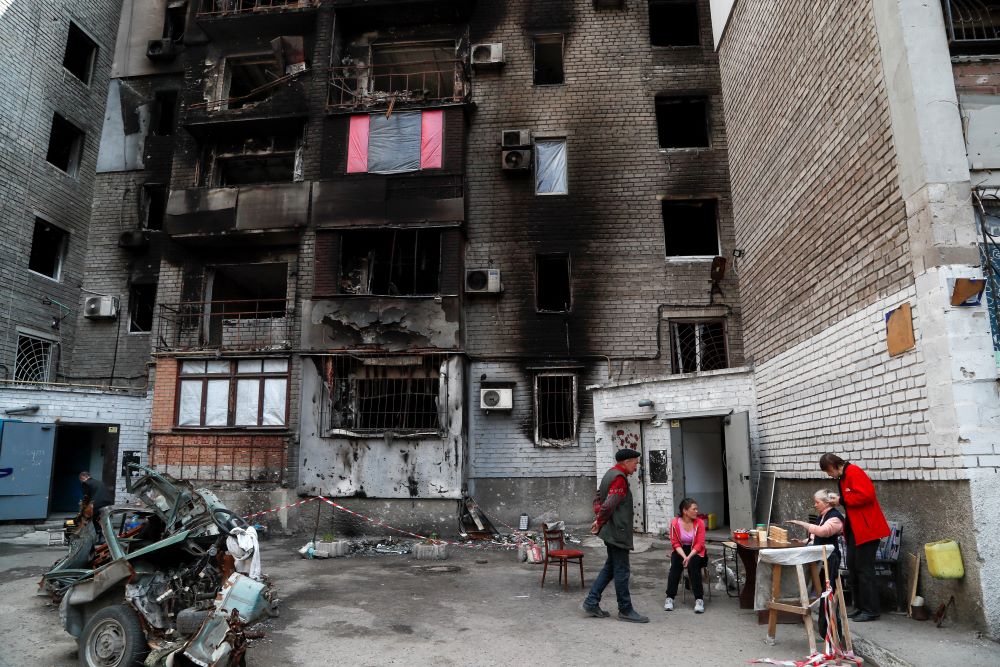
[{"x": 163, "y": 589}]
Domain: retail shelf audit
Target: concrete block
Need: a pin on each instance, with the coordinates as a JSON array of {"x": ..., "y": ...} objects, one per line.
[{"x": 431, "y": 551}]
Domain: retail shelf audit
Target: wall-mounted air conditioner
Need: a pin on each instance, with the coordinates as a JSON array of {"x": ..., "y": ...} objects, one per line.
[
  {"x": 515, "y": 138},
  {"x": 487, "y": 55},
  {"x": 100, "y": 307},
  {"x": 496, "y": 399},
  {"x": 485, "y": 281},
  {"x": 517, "y": 159},
  {"x": 161, "y": 50}
]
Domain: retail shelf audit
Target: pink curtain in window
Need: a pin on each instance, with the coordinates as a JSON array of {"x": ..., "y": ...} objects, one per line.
[
  {"x": 357, "y": 146},
  {"x": 431, "y": 128}
]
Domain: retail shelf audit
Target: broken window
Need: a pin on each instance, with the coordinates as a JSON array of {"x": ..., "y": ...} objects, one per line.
[
  {"x": 48, "y": 248},
  {"x": 394, "y": 262},
  {"x": 164, "y": 112},
  {"x": 401, "y": 142},
  {"x": 248, "y": 80},
  {"x": 257, "y": 159},
  {"x": 249, "y": 291},
  {"x": 698, "y": 346},
  {"x": 550, "y": 167},
  {"x": 81, "y": 52},
  {"x": 154, "y": 205},
  {"x": 555, "y": 409},
  {"x": 424, "y": 71},
  {"x": 65, "y": 145},
  {"x": 237, "y": 392},
  {"x": 690, "y": 227},
  {"x": 548, "y": 60},
  {"x": 141, "y": 299},
  {"x": 378, "y": 395},
  {"x": 674, "y": 23},
  {"x": 552, "y": 283},
  {"x": 682, "y": 122},
  {"x": 33, "y": 362},
  {"x": 175, "y": 20}
]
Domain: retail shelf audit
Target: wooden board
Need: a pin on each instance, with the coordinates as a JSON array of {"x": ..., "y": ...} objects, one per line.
[
  {"x": 914, "y": 560},
  {"x": 899, "y": 330}
]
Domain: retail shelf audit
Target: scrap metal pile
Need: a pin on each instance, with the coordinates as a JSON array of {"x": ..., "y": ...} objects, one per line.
[{"x": 165, "y": 586}]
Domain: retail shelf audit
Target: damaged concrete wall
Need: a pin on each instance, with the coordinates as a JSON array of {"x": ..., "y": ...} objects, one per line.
[{"x": 391, "y": 324}]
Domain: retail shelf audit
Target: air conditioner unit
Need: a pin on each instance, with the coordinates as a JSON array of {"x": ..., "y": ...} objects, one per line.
[
  {"x": 161, "y": 50},
  {"x": 484, "y": 55},
  {"x": 496, "y": 399},
  {"x": 100, "y": 307},
  {"x": 518, "y": 159},
  {"x": 135, "y": 239},
  {"x": 515, "y": 138},
  {"x": 485, "y": 281}
]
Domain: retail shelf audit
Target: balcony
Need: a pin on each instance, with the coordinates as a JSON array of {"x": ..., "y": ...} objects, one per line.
[
  {"x": 359, "y": 87},
  {"x": 973, "y": 26},
  {"x": 229, "y": 18},
  {"x": 267, "y": 213},
  {"x": 246, "y": 325}
]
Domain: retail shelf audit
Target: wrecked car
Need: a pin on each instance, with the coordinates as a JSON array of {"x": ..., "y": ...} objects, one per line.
[{"x": 161, "y": 589}]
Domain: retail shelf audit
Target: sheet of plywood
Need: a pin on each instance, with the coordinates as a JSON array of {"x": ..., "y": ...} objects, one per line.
[{"x": 899, "y": 330}]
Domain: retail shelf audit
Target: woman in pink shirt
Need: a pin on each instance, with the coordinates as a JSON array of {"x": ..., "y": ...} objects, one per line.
[{"x": 687, "y": 542}]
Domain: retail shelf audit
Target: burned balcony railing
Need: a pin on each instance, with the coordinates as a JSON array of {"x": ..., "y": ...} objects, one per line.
[
  {"x": 236, "y": 325},
  {"x": 410, "y": 83},
  {"x": 214, "y": 8},
  {"x": 973, "y": 25}
]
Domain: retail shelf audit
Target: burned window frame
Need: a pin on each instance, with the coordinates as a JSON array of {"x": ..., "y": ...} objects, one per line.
[
  {"x": 133, "y": 305},
  {"x": 49, "y": 347},
  {"x": 223, "y": 97},
  {"x": 697, "y": 12},
  {"x": 213, "y": 159},
  {"x": 548, "y": 38},
  {"x": 88, "y": 70},
  {"x": 232, "y": 376},
  {"x": 676, "y": 365},
  {"x": 568, "y": 262},
  {"x": 343, "y": 399},
  {"x": 663, "y": 101},
  {"x": 61, "y": 251},
  {"x": 75, "y": 152},
  {"x": 543, "y": 440},
  {"x": 666, "y": 202},
  {"x": 343, "y": 264}
]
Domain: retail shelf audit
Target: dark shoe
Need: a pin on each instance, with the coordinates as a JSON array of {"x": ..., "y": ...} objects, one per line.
[
  {"x": 864, "y": 617},
  {"x": 594, "y": 611},
  {"x": 855, "y": 613},
  {"x": 632, "y": 616}
]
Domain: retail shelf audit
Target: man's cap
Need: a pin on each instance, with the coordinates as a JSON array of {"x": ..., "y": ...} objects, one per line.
[{"x": 625, "y": 454}]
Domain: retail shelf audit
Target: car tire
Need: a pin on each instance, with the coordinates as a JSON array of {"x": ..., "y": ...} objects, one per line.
[{"x": 113, "y": 637}]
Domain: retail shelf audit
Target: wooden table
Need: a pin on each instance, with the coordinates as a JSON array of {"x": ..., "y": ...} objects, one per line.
[{"x": 747, "y": 550}]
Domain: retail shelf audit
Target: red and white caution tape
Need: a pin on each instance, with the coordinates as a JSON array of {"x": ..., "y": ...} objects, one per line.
[{"x": 278, "y": 509}]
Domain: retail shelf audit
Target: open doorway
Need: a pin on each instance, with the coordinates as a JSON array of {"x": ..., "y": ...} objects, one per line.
[{"x": 78, "y": 447}]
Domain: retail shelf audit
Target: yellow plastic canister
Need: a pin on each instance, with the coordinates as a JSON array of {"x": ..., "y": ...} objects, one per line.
[
  {"x": 944, "y": 559},
  {"x": 711, "y": 521}
]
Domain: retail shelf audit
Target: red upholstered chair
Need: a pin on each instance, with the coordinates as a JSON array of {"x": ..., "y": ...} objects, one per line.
[{"x": 555, "y": 550}]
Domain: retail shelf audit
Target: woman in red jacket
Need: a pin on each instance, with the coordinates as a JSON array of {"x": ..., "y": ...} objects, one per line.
[
  {"x": 687, "y": 542},
  {"x": 866, "y": 525}
]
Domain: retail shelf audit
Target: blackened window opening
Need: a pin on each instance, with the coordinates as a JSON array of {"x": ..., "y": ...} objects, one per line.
[
  {"x": 154, "y": 205},
  {"x": 165, "y": 103},
  {"x": 48, "y": 247},
  {"x": 396, "y": 262},
  {"x": 250, "y": 291},
  {"x": 249, "y": 78},
  {"x": 698, "y": 346},
  {"x": 81, "y": 51},
  {"x": 674, "y": 23},
  {"x": 552, "y": 283},
  {"x": 65, "y": 142},
  {"x": 255, "y": 159},
  {"x": 549, "y": 60},
  {"x": 427, "y": 69},
  {"x": 141, "y": 299},
  {"x": 682, "y": 122},
  {"x": 175, "y": 21},
  {"x": 555, "y": 409},
  {"x": 690, "y": 228}
]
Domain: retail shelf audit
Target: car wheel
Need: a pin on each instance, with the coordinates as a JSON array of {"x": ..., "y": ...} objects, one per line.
[{"x": 113, "y": 637}]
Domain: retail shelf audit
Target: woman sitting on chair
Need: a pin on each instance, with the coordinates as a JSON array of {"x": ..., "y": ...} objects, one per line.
[
  {"x": 687, "y": 542},
  {"x": 829, "y": 525}
]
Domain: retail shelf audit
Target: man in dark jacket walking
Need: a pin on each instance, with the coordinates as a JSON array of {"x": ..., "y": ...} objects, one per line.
[
  {"x": 613, "y": 507},
  {"x": 95, "y": 493}
]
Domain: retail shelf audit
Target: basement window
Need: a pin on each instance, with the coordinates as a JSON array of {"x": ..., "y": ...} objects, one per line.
[
  {"x": 164, "y": 112},
  {"x": 48, "y": 249},
  {"x": 33, "y": 361},
  {"x": 243, "y": 392},
  {"x": 380, "y": 395},
  {"x": 259, "y": 159},
  {"x": 247, "y": 80},
  {"x": 682, "y": 122},
  {"x": 549, "y": 60},
  {"x": 674, "y": 23},
  {"x": 553, "y": 293},
  {"x": 690, "y": 227},
  {"x": 249, "y": 291},
  {"x": 698, "y": 346},
  {"x": 154, "y": 205},
  {"x": 550, "y": 167},
  {"x": 393, "y": 262},
  {"x": 555, "y": 409},
  {"x": 141, "y": 299},
  {"x": 81, "y": 53},
  {"x": 65, "y": 145}
]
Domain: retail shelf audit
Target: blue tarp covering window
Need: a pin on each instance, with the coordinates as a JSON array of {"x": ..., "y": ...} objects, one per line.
[{"x": 394, "y": 143}]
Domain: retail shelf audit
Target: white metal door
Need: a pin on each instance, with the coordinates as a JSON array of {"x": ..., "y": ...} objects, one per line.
[
  {"x": 736, "y": 430},
  {"x": 628, "y": 435}
]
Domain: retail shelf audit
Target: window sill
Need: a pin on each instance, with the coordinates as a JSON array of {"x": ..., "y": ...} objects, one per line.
[
  {"x": 689, "y": 259},
  {"x": 62, "y": 172},
  {"x": 85, "y": 84},
  {"x": 347, "y": 433},
  {"x": 274, "y": 430},
  {"x": 57, "y": 280},
  {"x": 685, "y": 149},
  {"x": 666, "y": 48}
]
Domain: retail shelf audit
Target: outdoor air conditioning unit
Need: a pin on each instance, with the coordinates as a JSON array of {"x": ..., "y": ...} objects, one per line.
[
  {"x": 496, "y": 399},
  {"x": 484, "y": 281},
  {"x": 517, "y": 159},
  {"x": 100, "y": 307},
  {"x": 161, "y": 50},
  {"x": 486, "y": 55},
  {"x": 515, "y": 138}
]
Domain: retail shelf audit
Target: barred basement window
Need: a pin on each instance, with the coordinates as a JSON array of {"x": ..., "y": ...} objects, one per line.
[
  {"x": 238, "y": 392},
  {"x": 556, "y": 417},
  {"x": 33, "y": 362},
  {"x": 698, "y": 346}
]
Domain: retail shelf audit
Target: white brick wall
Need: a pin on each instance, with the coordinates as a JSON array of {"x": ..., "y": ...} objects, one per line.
[{"x": 84, "y": 406}]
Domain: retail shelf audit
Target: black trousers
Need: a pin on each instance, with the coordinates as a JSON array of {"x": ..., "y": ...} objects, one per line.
[
  {"x": 861, "y": 571},
  {"x": 694, "y": 568}
]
